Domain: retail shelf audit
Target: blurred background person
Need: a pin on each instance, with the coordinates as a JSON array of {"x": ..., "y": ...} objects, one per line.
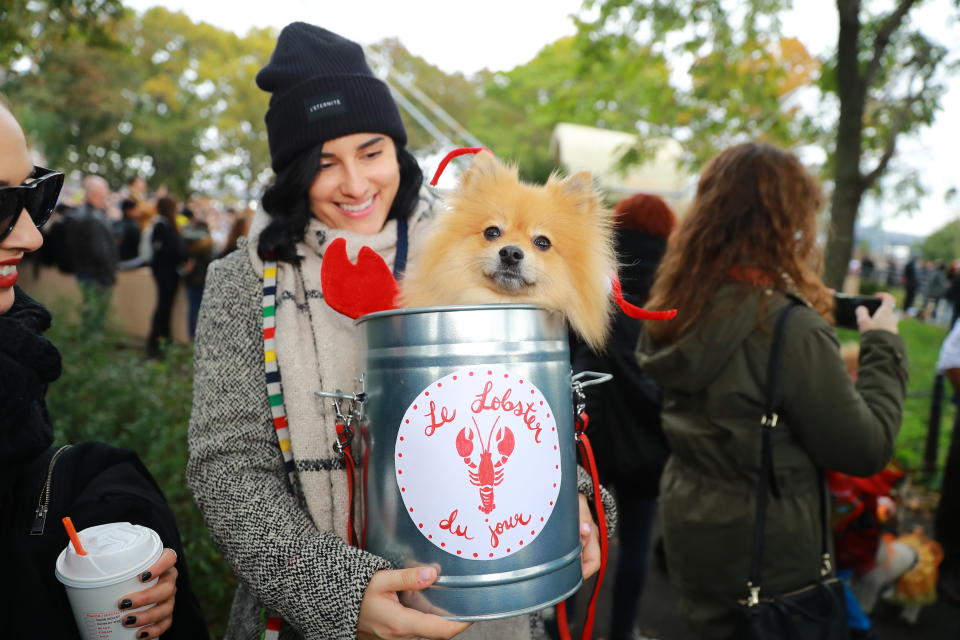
[
  {"x": 199, "y": 246},
  {"x": 91, "y": 251},
  {"x": 625, "y": 427},
  {"x": 168, "y": 255},
  {"x": 911, "y": 282},
  {"x": 127, "y": 231},
  {"x": 239, "y": 229},
  {"x": 947, "y": 520}
]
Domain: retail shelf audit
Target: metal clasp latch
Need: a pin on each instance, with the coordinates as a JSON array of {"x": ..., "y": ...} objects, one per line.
[
  {"x": 753, "y": 599},
  {"x": 770, "y": 420},
  {"x": 827, "y": 566},
  {"x": 345, "y": 422},
  {"x": 344, "y": 430},
  {"x": 577, "y": 383}
]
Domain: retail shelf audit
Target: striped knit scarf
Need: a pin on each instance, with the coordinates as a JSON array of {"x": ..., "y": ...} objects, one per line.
[{"x": 319, "y": 349}]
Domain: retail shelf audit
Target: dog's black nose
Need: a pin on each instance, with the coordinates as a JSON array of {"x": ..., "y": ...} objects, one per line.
[{"x": 511, "y": 255}]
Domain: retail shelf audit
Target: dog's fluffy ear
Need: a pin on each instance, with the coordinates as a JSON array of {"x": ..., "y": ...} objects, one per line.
[
  {"x": 485, "y": 166},
  {"x": 580, "y": 187}
]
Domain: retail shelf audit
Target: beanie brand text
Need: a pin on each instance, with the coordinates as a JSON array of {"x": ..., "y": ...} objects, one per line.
[{"x": 326, "y": 105}]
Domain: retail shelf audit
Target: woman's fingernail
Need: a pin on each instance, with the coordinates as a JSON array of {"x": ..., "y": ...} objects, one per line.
[
  {"x": 584, "y": 528},
  {"x": 426, "y": 574},
  {"x": 126, "y": 603},
  {"x": 146, "y": 575},
  {"x": 129, "y": 621}
]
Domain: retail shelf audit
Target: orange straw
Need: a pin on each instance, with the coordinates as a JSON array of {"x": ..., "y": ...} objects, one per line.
[{"x": 74, "y": 538}]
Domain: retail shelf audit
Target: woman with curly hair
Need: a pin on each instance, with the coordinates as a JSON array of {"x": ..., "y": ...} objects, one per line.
[{"x": 745, "y": 250}]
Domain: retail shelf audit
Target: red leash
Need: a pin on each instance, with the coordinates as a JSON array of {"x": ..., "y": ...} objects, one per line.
[
  {"x": 344, "y": 440},
  {"x": 590, "y": 464}
]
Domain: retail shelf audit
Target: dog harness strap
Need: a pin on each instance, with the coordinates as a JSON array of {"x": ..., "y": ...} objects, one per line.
[{"x": 400, "y": 261}]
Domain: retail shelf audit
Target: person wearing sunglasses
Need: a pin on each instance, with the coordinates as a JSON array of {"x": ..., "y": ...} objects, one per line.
[
  {"x": 36, "y": 197},
  {"x": 93, "y": 482}
]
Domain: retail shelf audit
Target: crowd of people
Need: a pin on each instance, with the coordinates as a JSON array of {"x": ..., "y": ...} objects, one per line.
[
  {"x": 931, "y": 287},
  {"x": 133, "y": 228},
  {"x": 694, "y": 429}
]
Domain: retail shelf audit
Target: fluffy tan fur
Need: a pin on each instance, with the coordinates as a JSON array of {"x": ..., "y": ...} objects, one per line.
[{"x": 460, "y": 263}]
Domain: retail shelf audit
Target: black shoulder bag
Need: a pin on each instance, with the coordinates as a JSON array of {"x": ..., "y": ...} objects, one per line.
[{"x": 816, "y": 611}]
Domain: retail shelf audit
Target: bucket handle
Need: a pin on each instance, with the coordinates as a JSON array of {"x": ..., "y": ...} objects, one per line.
[
  {"x": 595, "y": 378},
  {"x": 577, "y": 384}
]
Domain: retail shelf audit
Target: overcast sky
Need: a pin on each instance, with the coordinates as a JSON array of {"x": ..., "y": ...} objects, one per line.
[{"x": 500, "y": 34}]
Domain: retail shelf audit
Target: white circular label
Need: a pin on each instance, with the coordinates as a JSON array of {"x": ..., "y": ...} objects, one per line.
[{"x": 478, "y": 462}]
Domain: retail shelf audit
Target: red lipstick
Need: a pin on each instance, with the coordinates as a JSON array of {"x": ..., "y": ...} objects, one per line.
[{"x": 10, "y": 279}]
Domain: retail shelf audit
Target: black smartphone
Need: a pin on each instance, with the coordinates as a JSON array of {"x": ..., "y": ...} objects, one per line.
[{"x": 845, "y": 304}]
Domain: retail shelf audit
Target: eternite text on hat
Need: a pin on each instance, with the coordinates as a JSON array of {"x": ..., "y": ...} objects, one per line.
[{"x": 325, "y": 105}]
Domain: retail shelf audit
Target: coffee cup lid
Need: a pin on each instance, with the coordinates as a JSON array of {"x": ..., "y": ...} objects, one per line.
[{"x": 115, "y": 551}]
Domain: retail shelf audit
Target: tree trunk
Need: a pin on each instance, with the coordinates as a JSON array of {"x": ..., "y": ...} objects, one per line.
[{"x": 848, "y": 180}]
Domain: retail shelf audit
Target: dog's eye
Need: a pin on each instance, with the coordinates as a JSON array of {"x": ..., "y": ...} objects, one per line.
[
  {"x": 542, "y": 243},
  {"x": 491, "y": 233}
]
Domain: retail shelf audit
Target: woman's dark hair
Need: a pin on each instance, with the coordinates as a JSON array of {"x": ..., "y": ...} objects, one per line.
[
  {"x": 167, "y": 208},
  {"x": 288, "y": 205}
]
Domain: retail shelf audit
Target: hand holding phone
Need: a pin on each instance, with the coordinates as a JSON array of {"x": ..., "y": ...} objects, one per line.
[
  {"x": 878, "y": 313},
  {"x": 844, "y": 309}
]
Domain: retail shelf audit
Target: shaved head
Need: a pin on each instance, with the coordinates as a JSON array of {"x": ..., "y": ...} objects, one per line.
[
  {"x": 96, "y": 190},
  {"x": 15, "y": 164}
]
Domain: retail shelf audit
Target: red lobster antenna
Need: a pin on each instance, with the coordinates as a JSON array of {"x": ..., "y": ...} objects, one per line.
[{"x": 462, "y": 151}]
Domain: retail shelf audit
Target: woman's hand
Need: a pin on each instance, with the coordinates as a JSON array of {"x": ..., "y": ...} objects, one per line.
[
  {"x": 884, "y": 318},
  {"x": 382, "y": 615},
  {"x": 155, "y": 620},
  {"x": 589, "y": 539}
]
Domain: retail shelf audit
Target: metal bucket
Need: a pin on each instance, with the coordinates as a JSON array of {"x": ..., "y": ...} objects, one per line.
[{"x": 469, "y": 456}]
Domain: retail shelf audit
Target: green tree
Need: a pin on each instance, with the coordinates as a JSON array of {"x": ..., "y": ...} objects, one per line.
[
  {"x": 519, "y": 108},
  {"x": 30, "y": 29},
  {"x": 731, "y": 77},
  {"x": 884, "y": 75},
  {"x": 944, "y": 243},
  {"x": 166, "y": 98},
  {"x": 413, "y": 78},
  {"x": 742, "y": 75}
]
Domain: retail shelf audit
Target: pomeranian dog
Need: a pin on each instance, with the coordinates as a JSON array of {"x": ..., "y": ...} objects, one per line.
[{"x": 504, "y": 241}]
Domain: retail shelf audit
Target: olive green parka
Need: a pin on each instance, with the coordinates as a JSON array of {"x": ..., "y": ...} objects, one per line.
[{"x": 713, "y": 380}]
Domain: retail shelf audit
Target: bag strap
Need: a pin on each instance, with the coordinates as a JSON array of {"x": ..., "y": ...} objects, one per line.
[{"x": 767, "y": 480}]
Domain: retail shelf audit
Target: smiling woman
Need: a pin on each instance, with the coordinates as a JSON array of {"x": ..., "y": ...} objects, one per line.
[
  {"x": 95, "y": 482},
  {"x": 358, "y": 180},
  {"x": 266, "y": 341},
  {"x": 21, "y": 190}
]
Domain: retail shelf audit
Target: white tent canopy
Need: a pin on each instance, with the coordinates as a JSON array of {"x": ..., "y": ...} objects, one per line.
[{"x": 581, "y": 148}]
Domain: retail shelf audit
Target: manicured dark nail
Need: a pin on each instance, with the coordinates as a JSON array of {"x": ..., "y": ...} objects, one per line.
[
  {"x": 126, "y": 604},
  {"x": 142, "y": 634},
  {"x": 129, "y": 621},
  {"x": 146, "y": 575}
]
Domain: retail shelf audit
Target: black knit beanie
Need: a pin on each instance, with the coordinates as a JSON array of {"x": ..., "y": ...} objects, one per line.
[{"x": 322, "y": 89}]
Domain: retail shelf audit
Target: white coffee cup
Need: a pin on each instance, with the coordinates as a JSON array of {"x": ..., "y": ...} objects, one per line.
[{"x": 117, "y": 553}]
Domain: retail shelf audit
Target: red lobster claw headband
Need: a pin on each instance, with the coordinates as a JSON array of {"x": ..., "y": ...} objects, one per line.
[{"x": 369, "y": 286}]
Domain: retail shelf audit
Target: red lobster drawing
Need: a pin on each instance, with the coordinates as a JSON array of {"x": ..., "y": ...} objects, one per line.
[{"x": 487, "y": 474}]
